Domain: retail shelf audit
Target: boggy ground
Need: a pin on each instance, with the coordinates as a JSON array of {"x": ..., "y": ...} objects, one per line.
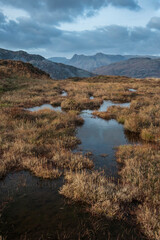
[
  {"x": 39, "y": 141},
  {"x": 42, "y": 141},
  {"x": 138, "y": 188}
]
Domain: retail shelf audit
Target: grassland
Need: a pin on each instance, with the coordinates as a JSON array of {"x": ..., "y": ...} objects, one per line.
[{"x": 42, "y": 142}]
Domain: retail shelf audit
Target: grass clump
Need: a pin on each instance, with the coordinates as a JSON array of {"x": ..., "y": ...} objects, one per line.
[
  {"x": 102, "y": 195},
  {"x": 93, "y": 189},
  {"x": 79, "y": 103},
  {"x": 141, "y": 171},
  {"x": 141, "y": 118}
]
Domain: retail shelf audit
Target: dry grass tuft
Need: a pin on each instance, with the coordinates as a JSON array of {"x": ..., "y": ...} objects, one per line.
[
  {"x": 102, "y": 195},
  {"x": 141, "y": 171}
]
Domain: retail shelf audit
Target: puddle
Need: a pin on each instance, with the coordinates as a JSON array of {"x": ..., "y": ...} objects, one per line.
[
  {"x": 101, "y": 137},
  {"x": 37, "y": 211},
  {"x": 91, "y": 98},
  {"x": 106, "y": 104},
  {"x": 132, "y": 90},
  {"x": 44, "y": 106},
  {"x": 64, "y": 94}
]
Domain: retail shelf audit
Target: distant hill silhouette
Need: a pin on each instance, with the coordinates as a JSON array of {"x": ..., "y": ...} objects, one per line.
[
  {"x": 90, "y": 63},
  {"x": 136, "y": 67}
]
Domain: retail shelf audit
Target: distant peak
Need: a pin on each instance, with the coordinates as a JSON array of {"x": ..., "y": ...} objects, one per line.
[{"x": 99, "y": 54}]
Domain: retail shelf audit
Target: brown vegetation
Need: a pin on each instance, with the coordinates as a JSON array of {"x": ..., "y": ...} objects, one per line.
[
  {"x": 141, "y": 170},
  {"x": 42, "y": 141},
  {"x": 102, "y": 194},
  {"x": 12, "y": 69},
  {"x": 143, "y": 117},
  {"x": 139, "y": 182}
]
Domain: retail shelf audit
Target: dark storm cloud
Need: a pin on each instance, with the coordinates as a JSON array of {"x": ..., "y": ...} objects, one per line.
[
  {"x": 56, "y": 11},
  {"x": 133, "y": 5},
  {"x": 154, "y": 23},
  {"x": 112, "y": 39},
  {"x": 26, "y": 34}
]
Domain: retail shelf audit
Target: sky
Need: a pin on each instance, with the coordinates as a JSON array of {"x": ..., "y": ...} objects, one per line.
[{"x": 62, "y": 28}]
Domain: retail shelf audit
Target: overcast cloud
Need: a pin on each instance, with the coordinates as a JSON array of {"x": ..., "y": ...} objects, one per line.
[{"x": 39, "y": 31}]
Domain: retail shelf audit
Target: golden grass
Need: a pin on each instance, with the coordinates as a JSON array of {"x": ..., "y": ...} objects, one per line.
[
  {"x": 143, "y": 117},
  {"x": 40, "y": 142},
  {"x": 93, "y": 189},
  {"x": 102, "y": 194},
  {"x": 141, "y": 170}
]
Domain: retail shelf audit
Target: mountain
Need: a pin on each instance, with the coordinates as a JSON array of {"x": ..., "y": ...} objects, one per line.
[
  {"x": 12, "y": 68},
  {"x": 55, "y": 70},
  {"x": 135, "y": 67},
  {"x": 89, "y": 63},
  {"x": 59, "y": 59}
]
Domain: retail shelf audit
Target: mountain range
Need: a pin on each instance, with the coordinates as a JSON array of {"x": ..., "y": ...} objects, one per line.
[
  {"x": 134, "y": 67},
  {"x": 55, "y": 70},
  {"x": 126, "y": 65},
  {"x": 90, "y": 63},
  {"x": 81, "y": 65}
]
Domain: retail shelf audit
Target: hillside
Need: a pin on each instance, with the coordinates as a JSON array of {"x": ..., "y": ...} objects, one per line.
[
  {"x": 9, "y": 68},
  {"x": 135, "y": 67},
  {"x": 55, "y": 70}
]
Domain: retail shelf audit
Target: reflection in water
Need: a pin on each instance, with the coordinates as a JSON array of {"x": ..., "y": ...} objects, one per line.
[
  {"x": 101, "y": 137},
  {"x": 106, "y": 104},
  {"x": 37, "y": 211}
]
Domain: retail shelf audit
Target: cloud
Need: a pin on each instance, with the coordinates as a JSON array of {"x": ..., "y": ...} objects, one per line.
[
  {"x": 26, "y": 34},
  {"x": 130, "y": 4},
  {"x": 57, "y": 11},
  {"x": 29, "y": 35},
  {"x": 154, "y": 23},
  {"x": 2, "y": 18}
]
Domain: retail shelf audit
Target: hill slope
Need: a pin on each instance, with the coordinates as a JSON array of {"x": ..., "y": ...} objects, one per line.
[
  {"x": 12, "y": 68},
  {"x": 135, "y": 67},
  {"x": 55, "y": 70}
]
